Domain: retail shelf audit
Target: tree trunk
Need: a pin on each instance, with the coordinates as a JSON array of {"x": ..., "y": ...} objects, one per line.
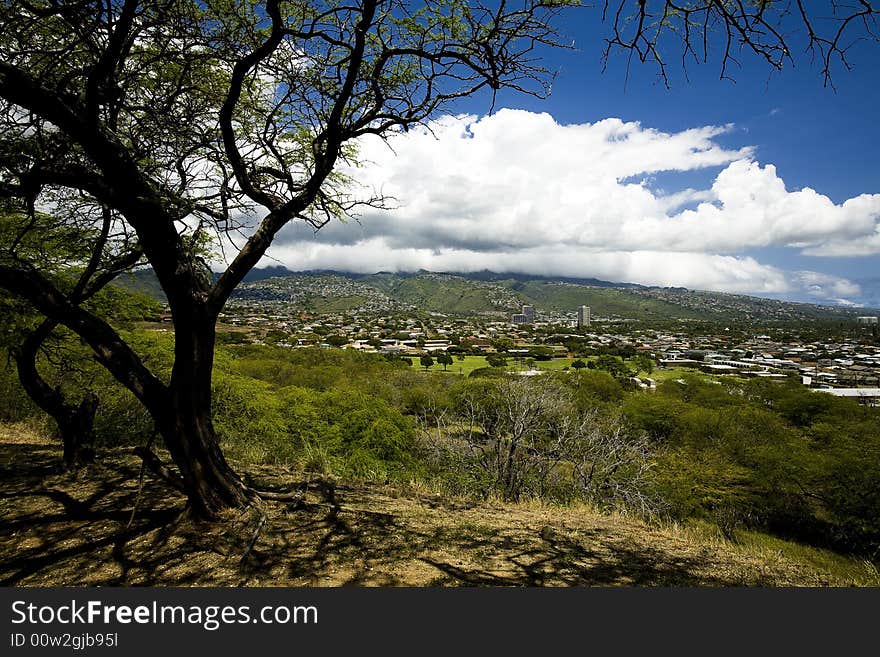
[
  {"x": 77, "y": 432},
  {"x": 509, "y": 471},
  {"x": 181, "y": 409},
  {"x": 186, "y": 426},
  {"x": 75, "y": 423}
]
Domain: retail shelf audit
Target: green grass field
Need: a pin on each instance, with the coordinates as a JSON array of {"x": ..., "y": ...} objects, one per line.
[
  {"x": 661, "y": 375},
  {"x": 471, "y": 363}
]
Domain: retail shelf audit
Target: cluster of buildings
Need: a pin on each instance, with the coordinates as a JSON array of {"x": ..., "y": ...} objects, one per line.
[
  {"x": 850, "y": 361},
  {"x": 528, "y": 316},
  {"x": 842, "y": 368}
]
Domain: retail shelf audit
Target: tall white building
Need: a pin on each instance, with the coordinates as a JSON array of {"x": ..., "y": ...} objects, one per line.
[
  {"x": 868, "y": 321},
  {"x": 583, "y": 316}
]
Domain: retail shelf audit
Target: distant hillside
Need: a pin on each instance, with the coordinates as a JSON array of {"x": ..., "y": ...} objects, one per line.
[
  {"x": 446, "y": 292},
  {"x": 501, "y": 294},
  {"x": 746, "y": 308},
  {"x": 320, "y": 293},
  {"x": 143, "y": 281},
  {"x": 487, "y": 275},
  {"x": 603, "y": 301}
]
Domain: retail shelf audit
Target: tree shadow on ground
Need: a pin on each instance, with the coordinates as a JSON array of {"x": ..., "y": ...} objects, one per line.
[
  {"x": 593, "y": 559},
  {"x": 59, "y": 527},
  {"x": 103, "y": 526}
]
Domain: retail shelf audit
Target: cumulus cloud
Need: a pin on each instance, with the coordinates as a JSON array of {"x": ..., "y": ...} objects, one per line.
[
  {"x": 517, "y": 191},
  {"x": 859, "y": 246},
  {"x": 826, "y": 286},
  {"x": 693, "y": 270}
]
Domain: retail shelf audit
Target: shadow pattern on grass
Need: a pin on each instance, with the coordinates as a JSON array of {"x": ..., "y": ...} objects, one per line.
[{"x": 100, "y": 527}]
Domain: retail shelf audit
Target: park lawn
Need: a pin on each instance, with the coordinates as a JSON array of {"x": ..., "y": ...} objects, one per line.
[
  {"x": 555, "y": 364},
  {"x": 462, "y": 367},
  {"x": 663, "y": 374},
  {"x": 471, "y": 363}
]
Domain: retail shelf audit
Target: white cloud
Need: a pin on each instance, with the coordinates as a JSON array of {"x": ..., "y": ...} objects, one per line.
[
  {"x": 752, "y": 208},
  {"x": 826, "y": 286},
  {"x": 860, "y": 246},
  {"x": 692, "y": 270},
  {"x": 517, "y": 191}
]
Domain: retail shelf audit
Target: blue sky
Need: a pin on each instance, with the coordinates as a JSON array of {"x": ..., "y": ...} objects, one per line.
[
  {"x": 779, "y": 129},
  {"x": 817, "y": 136}
]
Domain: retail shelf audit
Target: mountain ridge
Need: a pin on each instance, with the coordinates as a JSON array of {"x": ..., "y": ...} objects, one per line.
[
  {"x": 504, "y": 293},
  {"x": 486, "y": 291},
  {"x": 277, "y": 271}
]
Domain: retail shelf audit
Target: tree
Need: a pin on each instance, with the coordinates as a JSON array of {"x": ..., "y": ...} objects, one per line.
[
  {"x": 336, "y": 340},
  {"x": 509, "y": 425},
  {"x": 426, "y": 361},
  {"x": 28, "y": 338},
  {"x": 187, "y": 118},
  {"x": 578, "y": 364},
  {"x": 611, "y": 462},
  {"x": 522, "y": 431},
  {"x": 650, "y": 30},
  {"x": 444, "y": 360},
  {"x": 541, "y": 353},
  {"x": 643, "y": 363},
  {"x": 496, "y": 360},
  {"x": 503, "y": 345},
  {"x": 613, "y": 365},
  {"x": 469, "y": 345}
]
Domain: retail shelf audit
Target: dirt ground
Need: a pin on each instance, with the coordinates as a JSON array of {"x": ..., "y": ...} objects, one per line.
[{"x": 101, "y": 528}]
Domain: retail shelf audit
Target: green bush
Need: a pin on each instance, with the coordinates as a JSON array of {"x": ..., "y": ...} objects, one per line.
[
  {"x": 359, "y": 435},
  {"x": 15, "y": 405},
  {"x": 743, "y": 454},
  {"x": 595, "y": 385},
  {"x": 248, "y": 420}
]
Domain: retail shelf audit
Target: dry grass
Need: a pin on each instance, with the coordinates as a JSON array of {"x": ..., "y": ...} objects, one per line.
[
  {"x": 22, "y": 433},
  {"x": 65, "y": 529}
]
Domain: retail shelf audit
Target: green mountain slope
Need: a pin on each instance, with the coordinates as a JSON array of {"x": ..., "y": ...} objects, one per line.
[
  {"x": 464, "y": 294},
  {"x": 143, "y": 281},
  {"x": 603, "y": 301},
  {"x": 446, "y": 293}
]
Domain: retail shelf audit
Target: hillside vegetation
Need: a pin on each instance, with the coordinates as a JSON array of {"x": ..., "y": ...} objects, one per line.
[
  {"x": 603, "y": 301},
  {"x": 101, "y": 528},
  {"x": 504, "y": 294},
  {"x": 757, "y": 463},
  {"x": 445, "y": 293}
]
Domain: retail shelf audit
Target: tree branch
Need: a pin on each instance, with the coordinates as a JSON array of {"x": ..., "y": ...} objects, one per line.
[{"x": 110, "y": 349}]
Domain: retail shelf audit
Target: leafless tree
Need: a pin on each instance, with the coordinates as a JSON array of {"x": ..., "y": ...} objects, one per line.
[
  {"x": 521, "y": 437},
  {"x": 656, "y": 31},
  {"x": 611, "y": 462}
]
